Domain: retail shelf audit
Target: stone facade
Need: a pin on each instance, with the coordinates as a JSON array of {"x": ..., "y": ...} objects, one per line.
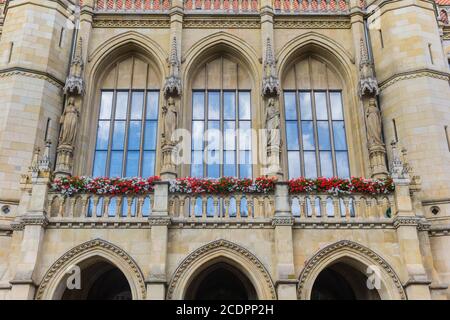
[{"x": 393, "y": 55}]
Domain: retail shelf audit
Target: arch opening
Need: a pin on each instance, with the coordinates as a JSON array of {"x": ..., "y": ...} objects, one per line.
[
  {"x": 221, "y": 281},
  {"x": 99, "y": 280},
  {"x": 341, "y": 281}
]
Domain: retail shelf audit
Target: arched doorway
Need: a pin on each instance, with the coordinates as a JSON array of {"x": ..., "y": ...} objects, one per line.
[
  {"x": 221, "y": 281},
  {"x": 342, "y": 282},
  {"x": 100, "y": 281}
]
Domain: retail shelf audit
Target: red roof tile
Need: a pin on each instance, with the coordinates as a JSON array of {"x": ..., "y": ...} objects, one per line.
[{"x": 443, "y": 2}]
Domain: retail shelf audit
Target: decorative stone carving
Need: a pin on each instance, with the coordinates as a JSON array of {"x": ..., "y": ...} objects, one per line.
[
  {"x": 273, "y": 127},
  {"x": 69, "y": 126},
  {"x": 69, "y": 123},
  {"x": 368, "y": 84},
  {"x": 74, "y": 82},
  {"x": 273, "y": 122},
  {"x": 170, "y": 123},
  {"x": 170, "y": 120},
  {"x": 402, "y": 170},
  {"x": 173, "y": 81},
  {"x": 271, "y": 83},
  {"x": 373, "y": 124}
]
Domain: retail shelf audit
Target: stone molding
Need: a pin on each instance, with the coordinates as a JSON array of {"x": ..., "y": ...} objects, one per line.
[
  {"x": 107, "y": 22},
  {"x": 323, "y": 254},
  {"x": 296, "y": 23},
  {"x": 212, "y": 247},
  {"x": 86, "y": 247},
  {"x": 407, "y": 221},
  {"x": 414, "y": 75},
  {"x": 282, "y": 221},
  {"x": 17, "y": 71}
]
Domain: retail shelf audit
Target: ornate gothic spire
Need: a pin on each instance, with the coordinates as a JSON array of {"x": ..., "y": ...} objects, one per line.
[
  {"x": 173, "y": 81},
  {"x": 74, "y": 82},
  {"x": 271, "y": 83},
  {"x": 368, "y": 84}
]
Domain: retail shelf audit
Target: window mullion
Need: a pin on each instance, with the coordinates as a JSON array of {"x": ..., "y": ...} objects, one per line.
[
  {"x": 331, "y": 133},
  {"x": 143, "y": 123},
  {"x": 111, "y": 132},
  {"x": 300, "y": 134},
  {"x": 316, "y": 135}
]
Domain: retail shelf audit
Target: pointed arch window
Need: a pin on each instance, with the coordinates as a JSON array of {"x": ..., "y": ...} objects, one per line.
[
  {"x": 314, "y": 122},
  {"x": 127, "y": 122},
  {"x": 221, "y": 106}
]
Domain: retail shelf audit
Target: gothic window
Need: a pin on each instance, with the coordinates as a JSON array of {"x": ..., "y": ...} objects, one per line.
[
  {"x": 221, "y": 121},
  {"x": 314, "y": 122},
  {"x": 127, "y": 121}
]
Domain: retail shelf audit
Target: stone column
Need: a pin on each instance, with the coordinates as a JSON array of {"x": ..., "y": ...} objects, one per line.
[
  {"x": 159, "y": 221},
  {"x": 172, "y": 92},
  {"x": 406, "y": 223},
  {"x": 33, "y": 223},
  {"x": 286, "y": 281}
]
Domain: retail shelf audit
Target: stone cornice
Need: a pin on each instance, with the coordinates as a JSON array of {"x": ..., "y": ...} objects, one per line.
[
  {"x": 133, "y": 21},
  {"x": 230, "y": 22},
  {"x": 19, "y": 71},
  {"x": 413, "y": 75},
  {"x": 312, "y": 22}
]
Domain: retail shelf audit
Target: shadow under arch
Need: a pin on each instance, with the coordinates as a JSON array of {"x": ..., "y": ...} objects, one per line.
[
  {"x": 217, "y": 43},
  {"x": 98, "y": 250},
  {"x": 221, "y": 251},
  {"x": 356, "y": 256},
  {"x": 323, "y": 46}
]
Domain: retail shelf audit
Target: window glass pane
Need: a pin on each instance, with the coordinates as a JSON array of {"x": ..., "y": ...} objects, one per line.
[
  {"x": 106, "y": 105},
  {"x": 197, "y": 164},
  {"x": 119, "y": 135},
  {"x": 214, "y": 105},
  {"x": 197, "y": 135},
  {"x": 305, "y": 106},
  {"x": 100, "y": 163},
  {"x": 290, "y": 106},
  {"x": 321, "y": 106},
  {"x": 229, "y": 168},
  {"x": 294, "y": 164},
  {"x": 245, "y": 135},
  {"x": 103, "y": 135},
  {"x": 229, "y": 105},
  {"x": 342, "y": 164},
  {"x": 245, "y": 167},
  {"x": 308, "y": 135},
  {"x": 213, "y": 156},
  {"x": 148, "y": 164},
  {"x": 326, "y": 164},
  {"x": 213, "y": 171},
  {"x": 132, "y": 169},
  {"x": 324, "y": 135},
  {"x": 292, "y": 135},
  {"x": 229, "y": 135},
  {"x": 339, "y": 135},
  {"x": 150, "y": 135},
  {"x": 244, "y": 106},
  {"x": 214, "y": 136},
  {"x": 336, "y": 106},
  {"x": 134, "y": 135},
  {"x": 121, "y": 105},
  {"x": 115, "y": 169},
  {"x": 152, "y": 105},
  {"x": 310, "y": 164},
  {"x": 137, "y": 105},
  {"x": 198, "y": 106}
]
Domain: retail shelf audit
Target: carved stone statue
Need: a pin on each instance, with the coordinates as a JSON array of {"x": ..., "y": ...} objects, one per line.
[
  {"x": 272, "y": 123},
  {"x": 170, "y": 116},
  {"x": 69, "y": 124},
  {"x": 373, "y": 122}
]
